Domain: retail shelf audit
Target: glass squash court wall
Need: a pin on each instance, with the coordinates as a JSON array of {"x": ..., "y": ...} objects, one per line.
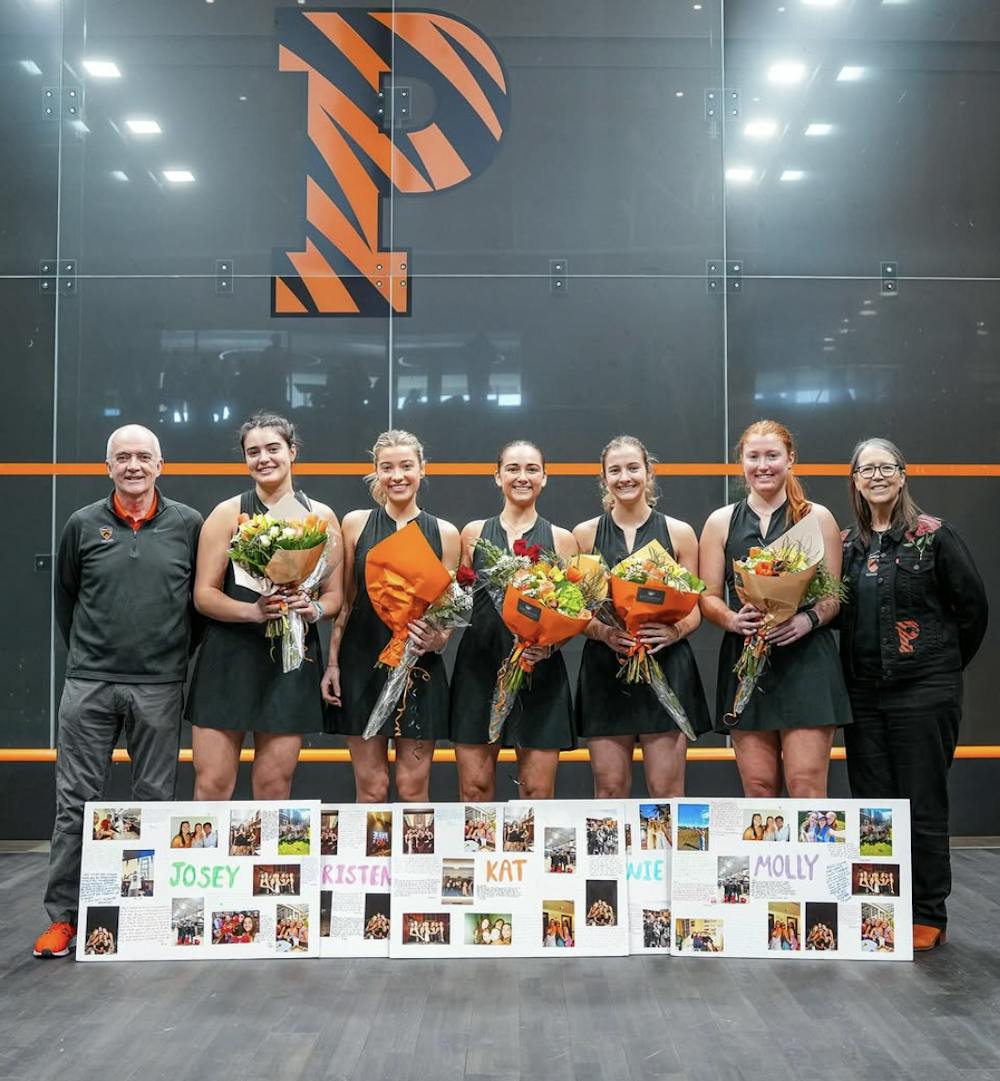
[{"x": 668, "y": 218}]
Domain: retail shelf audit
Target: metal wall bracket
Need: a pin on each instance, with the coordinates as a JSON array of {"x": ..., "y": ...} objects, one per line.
[
  {"x": 47, "y": 279},
  {"x": 714, "y": 276},
  {"x": 734, "y": 275},
  {"x": 67, "y": 277},
  {"x": 558, "y": 280},
  {"x": 890, "y": 278},
  {"x": 50, "y": 102},
  {"x": 73, "y": 102}
]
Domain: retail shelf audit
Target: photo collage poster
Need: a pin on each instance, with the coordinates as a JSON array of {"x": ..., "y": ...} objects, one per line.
[
  {"x": 188, "y": 881},
  {"x": 514, "y": 880},
  {"x": 355, "y": 879},
  {"x": 648, "y": 840},
  {"x": 792, "y": 878}
]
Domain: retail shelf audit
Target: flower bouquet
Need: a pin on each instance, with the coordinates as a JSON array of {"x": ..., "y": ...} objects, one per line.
[
  {"x": 650, "y": 586},
  {"x": 271, "y": 553},
  {"x": 779, "y": 580},
  {"x": 542, "y": 599},
  {"x": 452, "y": 609}
]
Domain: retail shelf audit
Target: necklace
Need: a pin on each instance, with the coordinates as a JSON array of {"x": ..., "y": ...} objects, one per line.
[{"x": 508, "y": 528}]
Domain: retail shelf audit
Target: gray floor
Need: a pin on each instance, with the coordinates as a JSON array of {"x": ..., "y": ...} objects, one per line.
[{"x": 622, "y": 1019}]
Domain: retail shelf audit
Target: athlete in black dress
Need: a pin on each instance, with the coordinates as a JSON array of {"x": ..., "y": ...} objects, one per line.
[
  {"x": 612, "y": 715},
  {"x": 352, "y": 682},
  {"x": 786, "y": 730},
  {"x": 237, "y": 686},
  {"x": 541, "y": 721}
]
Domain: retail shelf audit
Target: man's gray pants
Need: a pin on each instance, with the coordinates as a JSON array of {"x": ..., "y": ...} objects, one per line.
[{"x": 92, "y": 716}]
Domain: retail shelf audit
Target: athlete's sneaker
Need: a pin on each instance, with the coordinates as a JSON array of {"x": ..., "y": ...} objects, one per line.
[{"x": 56, "y": 941}]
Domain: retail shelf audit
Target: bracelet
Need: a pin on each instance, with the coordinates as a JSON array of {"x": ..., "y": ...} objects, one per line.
[
  {"x": 812, "y": 616},
  {"x": 319, "y": 611}
]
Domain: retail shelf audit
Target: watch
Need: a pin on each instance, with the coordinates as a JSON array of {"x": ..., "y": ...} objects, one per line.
[
  {"x": 812, "y": 617},
  {"x": 319, "y": 610}
]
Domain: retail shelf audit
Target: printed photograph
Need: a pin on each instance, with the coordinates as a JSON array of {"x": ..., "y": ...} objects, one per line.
[
  {"x": 418, "y": 831},
  {"x": 734, "y": 880},
  {"x": 458, "y": 880},
  {"x": 480, "y": 829},
  {"x": 698, "y": 936},
  {"x": 628, "y": 836},
  {"x": 654, "y": 826},
  {"x": 137, "y": 872},
  {"x": 875, "y": 879},
  {"x": 427, "y": 928},
  {"x": 560, "y": 850},
  {"x": 325, "y": 912},
  {"x": 518, "y": 829},
  {"x": 276, "y": 879},
  {"x": 602, "y": 836},
  {"x": 102, "y": 930},
  {"x": 293, "y": 831},
  {"x": 376, "y": 915},
  {"x": 378, "y": 834},
  {"x": 194, "y": 833},
  {"x": 329, "y": 825},
  {"x": 558, "y": 919},
  {"x": 876, "y": 831},
  {"x": 822, "y": 925},
  {"x": 488, "y": 929},
  {"x": 766, "y": 825},
  {"x": 187, "y": 921},
  {"x": 822, "y": 826},
  {"x": 291, "y": 932},
  {"x": 237, "y": 927},
  {"x": 602, "y": 902},
  {"x": 244, "y": 833},
  {"x": 656, "y": 928},
  {"x": 117, "y": 824},
  {"x": 692, "y": 827},
  {"x": 878, "y": 927},
  {"x": 784, "y": 925}
]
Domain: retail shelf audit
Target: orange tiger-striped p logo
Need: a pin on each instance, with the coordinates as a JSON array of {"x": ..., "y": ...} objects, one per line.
[{"x": 349, "y": 56}]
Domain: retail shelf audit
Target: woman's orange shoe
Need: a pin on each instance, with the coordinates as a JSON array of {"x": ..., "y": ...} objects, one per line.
[
  {"x": 926, "y": 938},
  {"x": 56, "y": 941}
]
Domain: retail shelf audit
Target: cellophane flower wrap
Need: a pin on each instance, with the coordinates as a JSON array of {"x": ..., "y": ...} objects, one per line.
[
  {"x": 270, "y": 553},
  {"x": 542, "y": 599},
  {"x": 779, "y": 580},
  {"x": 650, "y": 586},
  {"x": 452, "y": 609}
]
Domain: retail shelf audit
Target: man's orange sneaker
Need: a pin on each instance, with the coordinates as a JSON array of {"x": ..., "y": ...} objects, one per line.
[{"x": 56, "y": 941}]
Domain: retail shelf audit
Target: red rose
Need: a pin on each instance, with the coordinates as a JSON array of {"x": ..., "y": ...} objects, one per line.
[
  {"x": 532, "y": 551},
  {"x": 465, "y": 576},
  {"x": 520, "y": 547},
  {"x": 535, "y": 553}
]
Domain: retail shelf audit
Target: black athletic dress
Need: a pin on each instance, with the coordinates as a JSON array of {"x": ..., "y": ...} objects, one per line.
[
  {"x": 803, "y": 685},
  {"x": 238, "y": 685},
  {"x": 607, "y": 705},
  {"x": 365, "y": 636},
  {"x": 542, "y": 716}
]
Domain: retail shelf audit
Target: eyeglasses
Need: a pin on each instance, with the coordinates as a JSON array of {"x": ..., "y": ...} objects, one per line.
[{"x": 884, "y": 469}]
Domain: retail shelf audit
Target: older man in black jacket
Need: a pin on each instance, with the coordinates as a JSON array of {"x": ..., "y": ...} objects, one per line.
[{"x": 123, "y": 584}]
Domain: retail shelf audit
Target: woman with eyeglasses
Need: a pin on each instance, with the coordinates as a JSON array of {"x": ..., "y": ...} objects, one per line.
[{"x": 915, "y": 614}]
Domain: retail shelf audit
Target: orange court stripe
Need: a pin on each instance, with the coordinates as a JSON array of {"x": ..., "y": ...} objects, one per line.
[
  {"x": 446, "y": 754},
  {"x": 481, "y": 469}
]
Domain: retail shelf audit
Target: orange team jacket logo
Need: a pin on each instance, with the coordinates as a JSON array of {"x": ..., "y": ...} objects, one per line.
[
  {"x": 907, "y": 630},
  {"x": 351, "y": 57}
]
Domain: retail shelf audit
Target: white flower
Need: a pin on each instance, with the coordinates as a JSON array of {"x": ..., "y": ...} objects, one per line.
[
  {"x": 265, "y": 541},
  {"x": 288, "y": 531},
  {"x": 274, "y": 531}
]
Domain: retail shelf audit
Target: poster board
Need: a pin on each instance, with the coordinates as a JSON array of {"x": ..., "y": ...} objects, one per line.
[
  {"x": 792, "y": 879},
  {"x": 355, "y": 879},
  {"x": 648, "y": 841},
  {"x": 187, "y": 881},
  {"x": 509, "y": 880}
]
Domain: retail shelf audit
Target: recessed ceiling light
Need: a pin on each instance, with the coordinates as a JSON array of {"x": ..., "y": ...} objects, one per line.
[
  {"x": 819, "y": 129},
  {"x": 143, "y": 127},
  {"x": 792, "y": 174},
  {"x": 178, "y": 176},
  {"x": 850, "y": 73},
  {"x": 30, "y": 67},
  {"x": 740, "y": 174},
  {"x": 119, "y": 174},
  {"x": 760, "y": 129},
  {"x": 678, "y": 93},
  {"x": 786, "y": 72},
  {"x": 102, "y": 69}
]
